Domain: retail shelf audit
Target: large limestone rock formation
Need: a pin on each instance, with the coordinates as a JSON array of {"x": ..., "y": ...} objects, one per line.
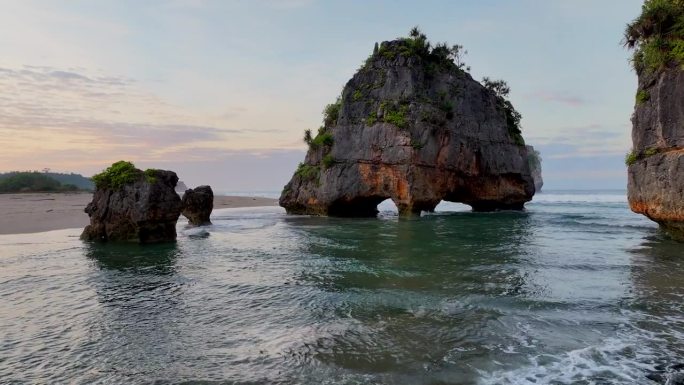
[
  {"x": 656, "y": 175},
  {"x": 656, "y": 163},
  {"x": 132, "y": 205},
  {"x": 198, "y": 204},
  {"x": 412, "y": 125}
]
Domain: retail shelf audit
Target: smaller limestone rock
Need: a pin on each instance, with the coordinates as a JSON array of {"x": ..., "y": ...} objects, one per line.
[
  {"x": 132, "y": 205},
  {"x": 198, "y": 204}
]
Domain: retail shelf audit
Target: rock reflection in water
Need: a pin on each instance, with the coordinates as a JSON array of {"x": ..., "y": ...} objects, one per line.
[
  {"x": 156, "y": 258},
  {"x": 658, "y": 294},
  {"x": 142, "y": 318},
  {"x": 404, "y": 296}
]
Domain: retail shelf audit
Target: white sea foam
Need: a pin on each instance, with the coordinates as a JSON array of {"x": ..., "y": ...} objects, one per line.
[
  {"x": 617, "y": 360},
  {"x": 195, "y": 232}
]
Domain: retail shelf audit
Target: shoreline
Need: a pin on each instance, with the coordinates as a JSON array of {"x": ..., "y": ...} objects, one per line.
[{"x": 25, "y": 213}]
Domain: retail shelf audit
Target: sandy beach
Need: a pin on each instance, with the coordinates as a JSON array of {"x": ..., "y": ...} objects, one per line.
[{"x": 32, "y": 213}]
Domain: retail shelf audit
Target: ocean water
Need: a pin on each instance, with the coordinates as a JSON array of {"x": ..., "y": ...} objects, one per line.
[{"x": 575, "y": 290}]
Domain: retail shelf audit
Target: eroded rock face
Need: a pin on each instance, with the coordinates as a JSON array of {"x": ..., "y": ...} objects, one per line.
[
  {"x": 417, "y": 133},
  {"x": 198, "y": 204},
  {"x": 534, "y": 160},
  {"x": 656, "y": 178},
  {"x": 144, "y": 211}
]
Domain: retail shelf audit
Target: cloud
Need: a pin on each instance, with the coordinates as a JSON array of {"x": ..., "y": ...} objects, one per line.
[
  {"x": 55, "y": 112},
  {"x": 232, "y": 113},
  {"x": 570, "y": 167},
  {"x": 225, "y": 170},
  {"x": 69, "y": 76},
  {"x": 36, "y": 79},
  {"x": 587, "y": 140}
]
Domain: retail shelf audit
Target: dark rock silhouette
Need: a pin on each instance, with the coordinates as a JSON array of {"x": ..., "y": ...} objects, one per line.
[
  {"x": 656, "y": 176},
  {"x": 198, "y": 204},
  {"x": 144, "y": 209},
  {"x": 415, "y": 128}
]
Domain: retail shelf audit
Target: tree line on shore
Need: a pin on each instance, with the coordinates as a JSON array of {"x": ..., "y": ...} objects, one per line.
[{"x": 35, "y": 181}]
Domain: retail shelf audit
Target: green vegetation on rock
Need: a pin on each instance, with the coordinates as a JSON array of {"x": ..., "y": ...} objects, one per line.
[
  {"x": 448, "y": 108},
  {"x": 371, "y": 119},
  {"x": 633, "y": 157},
  {"x": 307, "y": 171},
  {"x": 499, "y": 87},
  {"x": 513, "y": 117},
  {"x": 357, "y": 95},
  {"x": 332, "y": 112},
  {"x": 657, "y": 35},
  {"x": 328, "y": 161},
  {"x": 417, "y": 45},
  {"x": 650, "y": 152},
  {"x": 122, "y": 173},
  {"x": 151, "y": 175},
  {"x": 307, "y": 137},
  {"x": 642, "y": 96},
  {"x": 395, "y": 113},
  {"x": 322, "y": 139},
  {"x": 440, "y": 56},
  {"x": 534, "y": 159},
  {"x": 117, "y": 175}
]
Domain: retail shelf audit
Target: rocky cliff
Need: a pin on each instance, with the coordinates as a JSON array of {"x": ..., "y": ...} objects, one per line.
[
  {"x": 132, "y": 205},
  {"x": 534, "y": 160},
  {"x": 412, "y": 125},
  {"x": 656, "y": 162},
  {"x": 656, "y": 172}
]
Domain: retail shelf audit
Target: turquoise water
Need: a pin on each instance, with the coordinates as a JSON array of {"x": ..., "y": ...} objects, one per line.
[{"x": 576, "y": 290}]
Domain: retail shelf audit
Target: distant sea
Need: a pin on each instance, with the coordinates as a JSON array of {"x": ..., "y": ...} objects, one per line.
[{"x": 575, "y": 290}]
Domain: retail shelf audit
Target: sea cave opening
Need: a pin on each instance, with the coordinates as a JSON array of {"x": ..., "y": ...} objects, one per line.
[
  {"x": 356, "y": 207},
  {"x": 445, "y": 206},
  {"x": 388, "y": 208}
]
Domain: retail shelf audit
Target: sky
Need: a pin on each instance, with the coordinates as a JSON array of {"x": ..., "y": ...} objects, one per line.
[{"x": 221, "y": 91}]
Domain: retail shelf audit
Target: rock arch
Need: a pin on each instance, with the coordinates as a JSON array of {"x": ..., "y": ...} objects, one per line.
[
  {"x": 415, "y": 131},
  {"x": 359, "y": 206}
]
